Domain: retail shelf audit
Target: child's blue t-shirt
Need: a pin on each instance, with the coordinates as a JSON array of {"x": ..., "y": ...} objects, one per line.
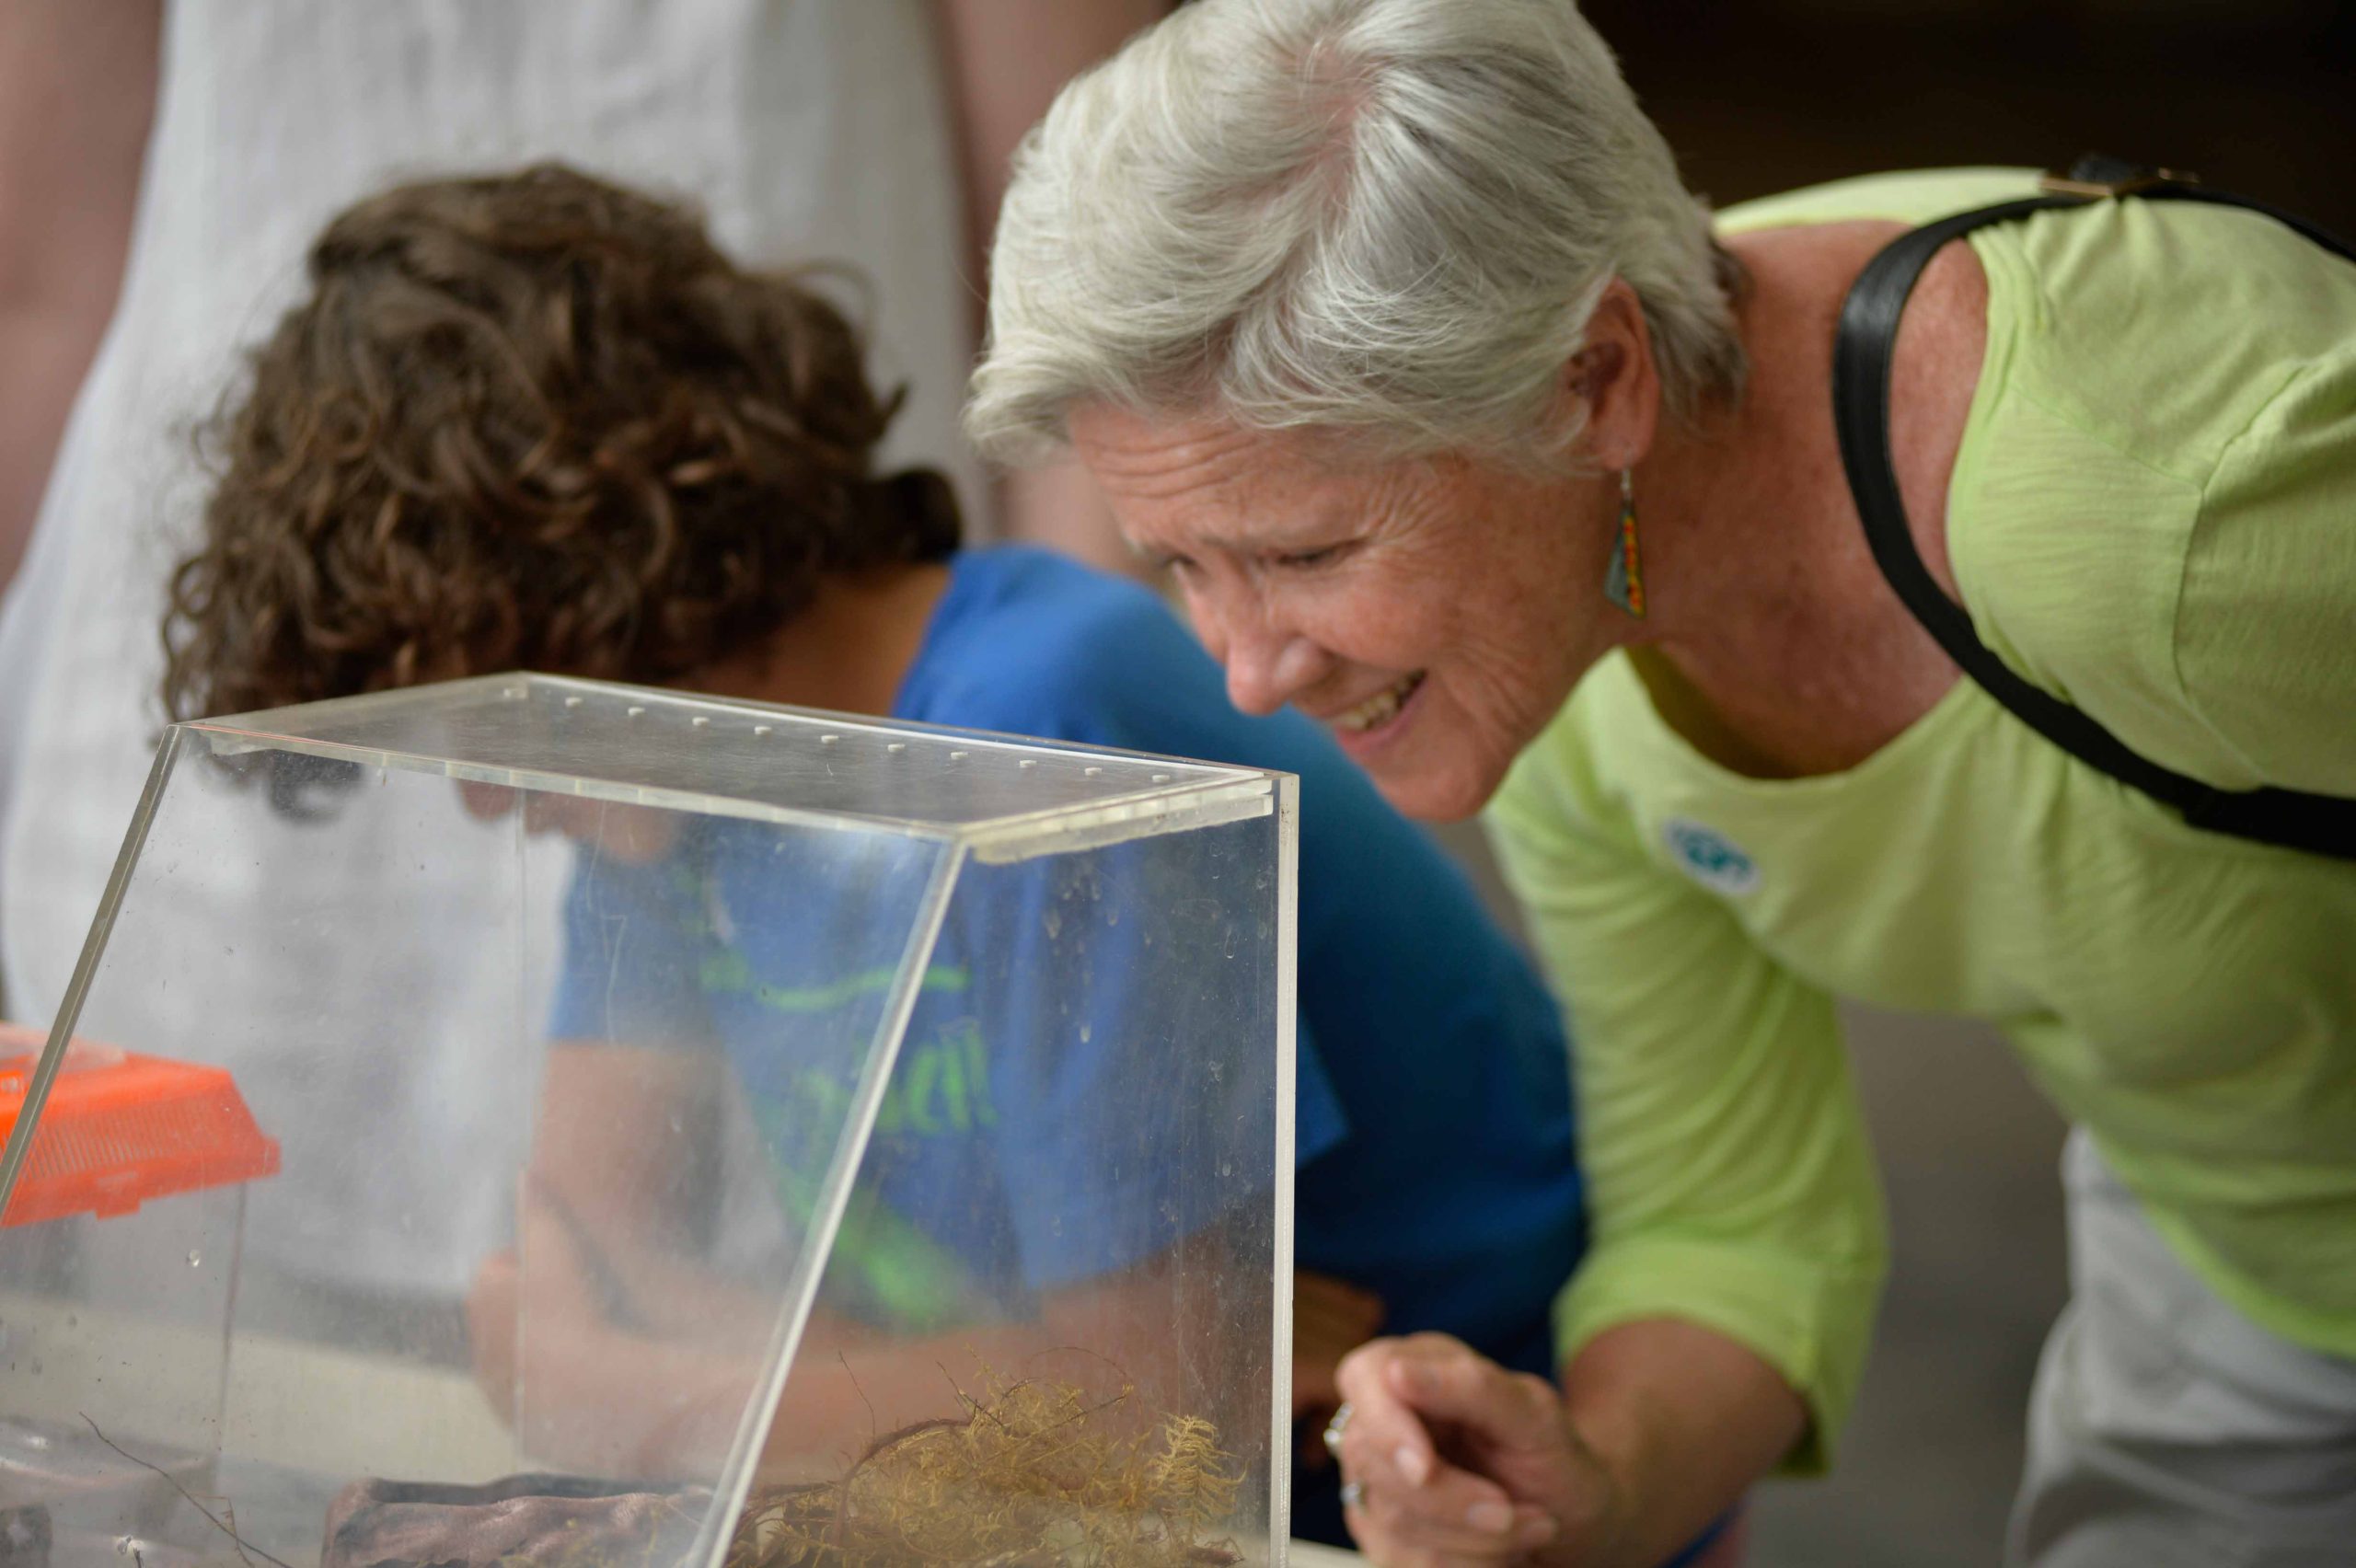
[{"x": 1434, "y": 1120}]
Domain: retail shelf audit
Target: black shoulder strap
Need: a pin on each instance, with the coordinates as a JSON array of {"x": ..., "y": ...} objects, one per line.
[{"x": 1861, "y": 361}]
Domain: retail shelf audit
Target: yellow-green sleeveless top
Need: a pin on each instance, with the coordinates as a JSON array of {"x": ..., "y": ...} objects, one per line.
[{"x": 2152, "y": 515}]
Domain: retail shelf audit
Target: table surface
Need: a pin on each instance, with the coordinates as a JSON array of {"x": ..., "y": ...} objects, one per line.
[{"x": 287, "y": 1402}]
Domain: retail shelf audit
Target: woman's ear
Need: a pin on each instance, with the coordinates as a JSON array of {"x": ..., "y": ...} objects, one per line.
[{"x": 1613, "y": 380}]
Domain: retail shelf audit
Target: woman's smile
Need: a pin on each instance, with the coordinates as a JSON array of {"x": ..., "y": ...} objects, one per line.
[
  {"x": 1369, "y": 732},
  {"x": 1376, "y": 713}
]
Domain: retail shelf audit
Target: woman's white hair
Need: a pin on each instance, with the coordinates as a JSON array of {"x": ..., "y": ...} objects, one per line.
[{"x": 1387, "y": 217}]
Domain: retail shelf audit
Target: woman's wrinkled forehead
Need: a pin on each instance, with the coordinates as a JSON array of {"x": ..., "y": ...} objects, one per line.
[
  {"x": 1214, "y": 481},
  {"x": 1153, "y": 456}
]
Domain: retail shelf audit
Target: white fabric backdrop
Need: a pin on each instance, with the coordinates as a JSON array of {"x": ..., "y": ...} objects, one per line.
[{"x": 807, "y": 129}]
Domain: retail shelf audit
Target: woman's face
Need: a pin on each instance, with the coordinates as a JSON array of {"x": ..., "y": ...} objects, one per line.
[{"x": 1435, "y": 614}]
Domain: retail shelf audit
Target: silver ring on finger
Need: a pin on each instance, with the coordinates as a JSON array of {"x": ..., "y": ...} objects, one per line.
[
  {"x": 1353, "y": 1497},
  {"x": 1336, "y": 1427}
]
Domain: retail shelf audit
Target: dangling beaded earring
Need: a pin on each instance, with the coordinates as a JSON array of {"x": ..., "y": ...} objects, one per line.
[{"x": 1623, "y": 580}]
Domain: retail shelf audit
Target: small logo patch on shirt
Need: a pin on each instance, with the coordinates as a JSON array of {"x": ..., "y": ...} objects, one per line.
[{"x": 1709, "y": 857}]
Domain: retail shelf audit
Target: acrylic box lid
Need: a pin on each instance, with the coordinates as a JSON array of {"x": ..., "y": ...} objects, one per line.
[{"x": 999, "y": 797}]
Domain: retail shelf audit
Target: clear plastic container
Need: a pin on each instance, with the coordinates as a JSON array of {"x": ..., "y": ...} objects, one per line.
[{"x": 889, "y": 1132}]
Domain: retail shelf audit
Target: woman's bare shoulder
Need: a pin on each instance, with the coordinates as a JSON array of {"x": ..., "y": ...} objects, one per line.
[{"x": 1942, "y": 340}]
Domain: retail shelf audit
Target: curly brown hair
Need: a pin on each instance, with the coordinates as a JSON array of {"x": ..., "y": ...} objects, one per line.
[{"x": 532, "y": 420}]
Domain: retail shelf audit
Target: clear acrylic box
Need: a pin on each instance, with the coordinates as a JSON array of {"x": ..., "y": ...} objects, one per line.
[{"x": 886, "y": 1132}]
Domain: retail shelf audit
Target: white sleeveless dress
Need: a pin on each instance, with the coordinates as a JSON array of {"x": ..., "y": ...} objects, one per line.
[{"x": 807, "y": 129}]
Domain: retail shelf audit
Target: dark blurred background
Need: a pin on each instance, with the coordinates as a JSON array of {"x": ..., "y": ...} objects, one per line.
[{"x": 2259, "y": 97}]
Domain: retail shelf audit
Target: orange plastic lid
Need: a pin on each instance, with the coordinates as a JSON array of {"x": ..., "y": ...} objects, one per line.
[{"x": 121, "y": 1129}]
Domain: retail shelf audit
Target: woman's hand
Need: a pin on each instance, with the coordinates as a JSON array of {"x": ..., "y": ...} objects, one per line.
[{"x": 1457, "y": 1460}]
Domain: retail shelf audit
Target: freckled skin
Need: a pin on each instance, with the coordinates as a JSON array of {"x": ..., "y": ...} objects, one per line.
[{"x": 1482, "y": 579}]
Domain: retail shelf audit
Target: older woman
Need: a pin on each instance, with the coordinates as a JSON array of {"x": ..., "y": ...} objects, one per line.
[{"x": 1388, "y": 327}]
